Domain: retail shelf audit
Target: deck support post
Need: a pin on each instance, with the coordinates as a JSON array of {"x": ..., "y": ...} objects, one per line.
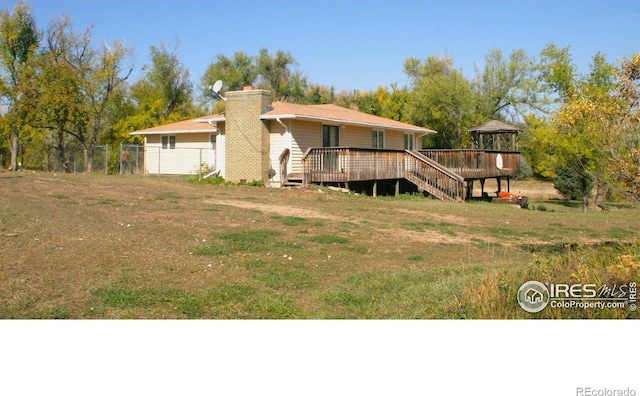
[
  {"x": 469, "y": 190},
  {"x": 482, "y": 187},
  {"x": 508, "y": 184},
  {"x": 398, "y": 188},
  {"x": 375, "y": 189},
  {"x": 499, "y": 180}
]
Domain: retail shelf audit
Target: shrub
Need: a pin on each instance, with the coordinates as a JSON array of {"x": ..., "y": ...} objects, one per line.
[{"x": 573, "y": 182}]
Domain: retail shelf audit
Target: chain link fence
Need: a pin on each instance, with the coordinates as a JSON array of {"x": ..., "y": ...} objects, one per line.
[
  {"x": 130, "y": 159},
  {"x": 104, "y": 159}
]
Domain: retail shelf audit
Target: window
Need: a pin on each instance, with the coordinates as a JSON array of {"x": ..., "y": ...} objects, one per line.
[
  {"x": 378, "y": 139},
  {"x": 330, "y": 136},
  {"x": 169, "y": 142},
  {"x": 409, "y": 141}
]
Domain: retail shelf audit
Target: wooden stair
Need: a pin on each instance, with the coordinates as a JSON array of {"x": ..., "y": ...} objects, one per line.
[
  {"x": 434, "y": 178},
  {"x": 293, "y": 180}
]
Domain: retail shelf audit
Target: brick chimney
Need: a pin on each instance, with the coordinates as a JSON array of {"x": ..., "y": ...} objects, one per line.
[{"x": 247, "y": 137}]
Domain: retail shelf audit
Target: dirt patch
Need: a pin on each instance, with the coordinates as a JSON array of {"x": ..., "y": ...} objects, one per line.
[{"x": 275, "y": 209}]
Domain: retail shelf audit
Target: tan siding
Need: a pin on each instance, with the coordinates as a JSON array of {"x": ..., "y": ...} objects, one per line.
[
  {"x": 354, "y": 136},
  {"x": 305, "y": 134},
  {"x": 394, "y": 140}
]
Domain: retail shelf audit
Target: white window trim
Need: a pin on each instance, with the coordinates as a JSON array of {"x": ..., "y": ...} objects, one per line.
[
  {"x": 412, "y": 139},
  {"x": 168, "y": 147}
]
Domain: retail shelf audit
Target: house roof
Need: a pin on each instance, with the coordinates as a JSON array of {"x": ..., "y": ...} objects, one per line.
[
  {"x": 337, "y": 114},
  {"x": 187, "y": 126},
  {"x": 284, "y": 110},
  {"x": 495, "y": 126}
]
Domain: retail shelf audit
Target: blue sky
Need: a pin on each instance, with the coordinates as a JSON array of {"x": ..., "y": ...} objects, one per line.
[{"x": 354, "y": 44}]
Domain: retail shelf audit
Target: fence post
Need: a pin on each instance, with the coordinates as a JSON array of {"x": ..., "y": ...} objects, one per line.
[
  {"x": 200, "y": 165},
  {"x": 121, "y": 168},
  {"x": 137, "y": 158},
  {"x": 106, "y": 159}
]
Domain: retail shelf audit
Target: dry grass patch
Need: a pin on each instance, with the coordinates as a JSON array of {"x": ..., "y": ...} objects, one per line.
[{"x": 97, "y": 246}]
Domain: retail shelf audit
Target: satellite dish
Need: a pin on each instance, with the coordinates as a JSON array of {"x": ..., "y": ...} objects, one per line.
[
  {"x": 499, "y": 163},
  {"x": 215, "y": 89}
]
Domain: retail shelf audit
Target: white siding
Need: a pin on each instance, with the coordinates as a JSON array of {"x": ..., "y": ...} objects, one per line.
[
  {"x": 191, "y": 150},
  {"x": 279, "y": 140},
  {"x": 221, "y": 149}
]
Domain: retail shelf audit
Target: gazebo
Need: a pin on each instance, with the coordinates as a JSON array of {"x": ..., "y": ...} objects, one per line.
[{"x": 496, "y": 136}]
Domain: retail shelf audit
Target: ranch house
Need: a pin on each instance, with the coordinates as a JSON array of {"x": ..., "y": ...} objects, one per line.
[{"x": 290, "y": 144}]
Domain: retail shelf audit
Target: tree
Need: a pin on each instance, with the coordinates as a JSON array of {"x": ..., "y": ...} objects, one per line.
[
  {"x": 165, "y": 91},
  {"x": 573, "y": 182},
  {"x": 556, "y": 71},
  {"x": 235, "y": 72},
  {"x": 441, "y": 99},
  {"x": 19, "y": 41},
  {"x": 319, "y": 94},
  {"x": 507, "y": 87},
  {"x": 92, "y": 75},
  {"x": 597, "y": 126},
  {"x": 265, "y": 71},
  {"x": 275, "y": 74}
]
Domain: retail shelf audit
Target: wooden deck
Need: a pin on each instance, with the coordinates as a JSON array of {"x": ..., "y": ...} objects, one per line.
[
  {"x": 477, "y": 164},
  {"x": 442, "y": 173}
]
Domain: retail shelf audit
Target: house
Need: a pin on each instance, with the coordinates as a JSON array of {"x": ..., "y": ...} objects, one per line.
[
  {"x": 255, "y": 136},
  {"x": 284, "y": 144}
]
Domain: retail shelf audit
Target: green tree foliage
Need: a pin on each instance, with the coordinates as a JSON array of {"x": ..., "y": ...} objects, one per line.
[
  {"x": 319, "y": 94},
  {"x": 556, "y": 70},
  {"x": 235, "y": 72},
  {"x": 573, "y": 182},
  {"x": 538, "y": 147},
  {"x": 19, "y": 41},
  {"x": 507, "y": 88},
  {"x": 442, "y": 99},
  {"x": 163, "y": 94},
  {"x": 266, "y": 71},
  {"x": 594, "y": 132},
  {"x": 90, "y": 77}
]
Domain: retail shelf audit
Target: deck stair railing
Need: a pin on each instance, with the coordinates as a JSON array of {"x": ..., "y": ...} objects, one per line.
[{"x": 433, "y": 178}]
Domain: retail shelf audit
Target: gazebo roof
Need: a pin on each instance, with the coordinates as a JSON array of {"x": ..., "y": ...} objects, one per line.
[{"x": 495, "y": 126}]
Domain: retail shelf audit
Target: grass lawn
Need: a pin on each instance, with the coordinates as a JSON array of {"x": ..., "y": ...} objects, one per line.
[{"x": 97, "y": 246}]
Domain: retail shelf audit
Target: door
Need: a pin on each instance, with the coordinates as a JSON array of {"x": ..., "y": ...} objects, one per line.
[{"x": 330, "y": 138}]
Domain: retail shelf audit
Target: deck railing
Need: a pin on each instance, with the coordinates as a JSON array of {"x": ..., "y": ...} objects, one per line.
[
  {"x": 345, "y": 164},
  {"x": 442, "y": 173},
  {"x": 477, "y": 164}
]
